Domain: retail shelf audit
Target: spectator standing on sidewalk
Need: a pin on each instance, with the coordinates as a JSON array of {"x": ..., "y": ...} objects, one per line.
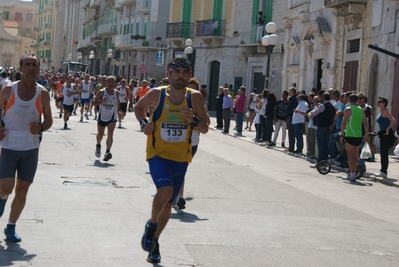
[
  {"x": 351, "y": 131},
  {"x": 252, "y": 102},
  {"x": 386, "y": 122},
  {"x": 325, "y": 120},
  {"x": 292, "y": 103},
  {"x": 219, "y": 108},
  {"x": 258, "y": 128},
  {"x": 262, "y": 107},
  {"x": 369, "y": 111},
  {"x": 227, "y": 108},
  {"x": 269, "y": 116},
  {"x": 298, "y": 120},
  {"x": 280, "y": 119},
  {"x": 240, "y": 102},
  {"x": 311, "y": 133}
]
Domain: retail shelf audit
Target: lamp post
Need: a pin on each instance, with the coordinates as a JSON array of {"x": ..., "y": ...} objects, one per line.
[
  {"x": 109, "y": 56},
  {"x": 79, "y": 57},
  {"x": 269, "y": 41},
  {"x": 188, "y": 51},
  {"x": 91, "y": 57}
]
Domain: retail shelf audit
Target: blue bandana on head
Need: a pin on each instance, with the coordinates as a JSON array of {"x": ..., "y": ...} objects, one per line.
[{"x": 179, "y": 64}]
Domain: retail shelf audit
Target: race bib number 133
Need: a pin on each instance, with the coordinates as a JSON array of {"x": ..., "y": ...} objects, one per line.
[{"x": 173, "y": 132}]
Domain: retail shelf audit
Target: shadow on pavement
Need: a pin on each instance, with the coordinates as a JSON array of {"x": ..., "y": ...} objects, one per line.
[
  {"x": 12, "y": 252},
  {"x": 100, "y": 164},
  {"x": 185, "y": 216}
]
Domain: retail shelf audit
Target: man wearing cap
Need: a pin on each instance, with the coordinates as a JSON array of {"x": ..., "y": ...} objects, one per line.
[{"x": 178, "y": 111}]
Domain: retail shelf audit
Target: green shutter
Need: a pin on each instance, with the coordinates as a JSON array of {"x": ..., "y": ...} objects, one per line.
[
  {"x": 255, "y": 10},
  {"x": 186, "y": 18},
  {"x": 137, "y": 27},
  {"x": 268, "y": 11},
  {"x": 218, "y": 15},
  {"x": 218, "y": 9},
  {"x": 145, "y": 29},
  {"x": 105, "y": 41},
  {"x": 84, "y": 34}
]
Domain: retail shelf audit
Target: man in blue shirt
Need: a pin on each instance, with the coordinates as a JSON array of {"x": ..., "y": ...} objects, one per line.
[{"x": 227, "y": 106}]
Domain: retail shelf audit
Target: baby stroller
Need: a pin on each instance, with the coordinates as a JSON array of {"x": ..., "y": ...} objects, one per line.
[{"x": 324, "y": 166}]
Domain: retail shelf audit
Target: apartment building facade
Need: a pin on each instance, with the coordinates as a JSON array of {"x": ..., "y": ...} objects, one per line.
[{"x": 16, "y": 31}]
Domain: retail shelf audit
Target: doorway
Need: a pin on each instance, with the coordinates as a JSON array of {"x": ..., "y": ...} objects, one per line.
[
  {"x": 319, "y": 75},
  {"x": 259, "y": 82},
  {"x": 213, "y": 84}
]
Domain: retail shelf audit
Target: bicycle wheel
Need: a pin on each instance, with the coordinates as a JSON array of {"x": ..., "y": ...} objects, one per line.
[
  {"x": 359, "y": 171},
  {"x": 323, "y": 167}
]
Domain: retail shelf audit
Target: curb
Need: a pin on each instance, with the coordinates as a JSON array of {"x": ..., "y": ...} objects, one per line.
[{"x": 386, "y": 181}]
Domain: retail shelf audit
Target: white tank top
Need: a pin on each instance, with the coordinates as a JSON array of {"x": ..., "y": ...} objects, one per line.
[
  {"x": 108, "y": 110},
  {"x": 68, "y": 99},
  {"x": 18, "y": 115},
  {"x": 85, "y": 92},
  {"x": 122, "y": 94}
]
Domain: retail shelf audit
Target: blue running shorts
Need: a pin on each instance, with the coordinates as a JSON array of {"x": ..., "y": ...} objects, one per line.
[
  {"x": 166, "y": 172},
  {"x": 23, "y": 162}
]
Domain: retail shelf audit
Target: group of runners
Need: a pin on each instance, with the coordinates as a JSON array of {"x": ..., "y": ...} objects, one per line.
[{"x": 169, "y": 138}]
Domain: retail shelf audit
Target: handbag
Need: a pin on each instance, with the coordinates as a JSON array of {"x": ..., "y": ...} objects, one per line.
[{"x": 366, "y": 152}]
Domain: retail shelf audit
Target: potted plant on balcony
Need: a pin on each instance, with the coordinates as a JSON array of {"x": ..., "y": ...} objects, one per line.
[
  {"x": 142, "y": 37},
  {"x": 145, "y": 43},
  {"x": 158, "y": 38},
  {"x": 135, "y": 37}
]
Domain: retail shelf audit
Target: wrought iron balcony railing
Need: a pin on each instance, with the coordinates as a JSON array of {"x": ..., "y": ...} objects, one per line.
[
  {"x": 180, "y": 30},
  {"x": 211, "y": 28}
]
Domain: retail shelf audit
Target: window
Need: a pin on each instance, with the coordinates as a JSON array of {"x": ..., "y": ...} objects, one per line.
[
  {"x": 29, "y": 17},
  {"x": 354, "y": 46},
  {"x": 18, "y": 16},
  {"x": 6, "y": 15}
]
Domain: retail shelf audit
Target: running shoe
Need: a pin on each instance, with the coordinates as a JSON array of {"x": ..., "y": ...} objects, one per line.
[
  {"x": 120, "y": 125},
  {"x": 98, "y": 152},
  {"x": 60, "y": 116},
  {"x": 10, "y": 233},
  {"x": 2, "y": 205},
  {"x": 86, "y": 116},
  {"x": 91, "y": 113},
  {"x": 154, "y": 256},
  {"x": 81, "y": 119},
  {"x": 107, "y": 156},
  {"x": 147, "y": 241},
  {"x": 65, "y": 126},
  {"x": 181, "y": 203},
  {"x": 95, "y": 117}
]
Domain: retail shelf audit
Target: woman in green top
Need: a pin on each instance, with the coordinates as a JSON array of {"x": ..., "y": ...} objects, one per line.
[
  {"x": 351, "y": 132},
  {"x": 387, "y": 138}
]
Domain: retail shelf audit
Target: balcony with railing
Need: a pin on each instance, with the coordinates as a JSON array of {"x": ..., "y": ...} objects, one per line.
[
  {"x": 143, "y": 6},
  {"x": 125, "y": 2},
  {"x": 342, "y": 3},
  {"x": 107, "y": 29},
  {"x": 210, "y": 28},
  {"x": 179, "y": 30},
  {"x": 94, "y": 3},
  {"x": 138, "y": 42}
]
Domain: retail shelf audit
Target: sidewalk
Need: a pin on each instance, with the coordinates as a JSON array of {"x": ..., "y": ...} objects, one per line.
[{"x": 372, "y": 167}]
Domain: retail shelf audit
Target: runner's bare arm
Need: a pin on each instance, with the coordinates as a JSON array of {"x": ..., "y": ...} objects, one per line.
[
  {"x": 148, "y": 100},
  {"x": 98, "y": 99},
  {"x": 35, "y": 127},
  {"x": 200, "y": 112}
]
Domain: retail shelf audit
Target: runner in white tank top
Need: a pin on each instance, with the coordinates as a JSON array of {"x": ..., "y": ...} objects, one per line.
[
  {"x": 68, "y": 90},
  {"x": 108, "y": 100},
  {"x": 85, "y": 90},
  {"x": 27, "y": 115},
  {"x": 123, "y": 98}
]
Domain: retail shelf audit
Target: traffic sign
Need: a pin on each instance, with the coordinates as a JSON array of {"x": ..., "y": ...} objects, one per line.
[
  {"x": 143, "y": 69},
  {"x": 117, "y": 63}
]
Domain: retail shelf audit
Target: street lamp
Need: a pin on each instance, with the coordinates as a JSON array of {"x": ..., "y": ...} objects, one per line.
[
  {"x": 79, "y": 57},
  {"x": 91, "y": 57},
  {"x": 188, "y": 51},
  {"x": 269, "y": 41},
  {"x": 109, "y": 56}
]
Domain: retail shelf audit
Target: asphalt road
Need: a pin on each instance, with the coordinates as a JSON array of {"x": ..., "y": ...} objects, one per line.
[{"x": 247, "y": 206}]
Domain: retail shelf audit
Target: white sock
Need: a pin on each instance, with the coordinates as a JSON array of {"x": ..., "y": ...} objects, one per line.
[{"x": 10, "y": 223}]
